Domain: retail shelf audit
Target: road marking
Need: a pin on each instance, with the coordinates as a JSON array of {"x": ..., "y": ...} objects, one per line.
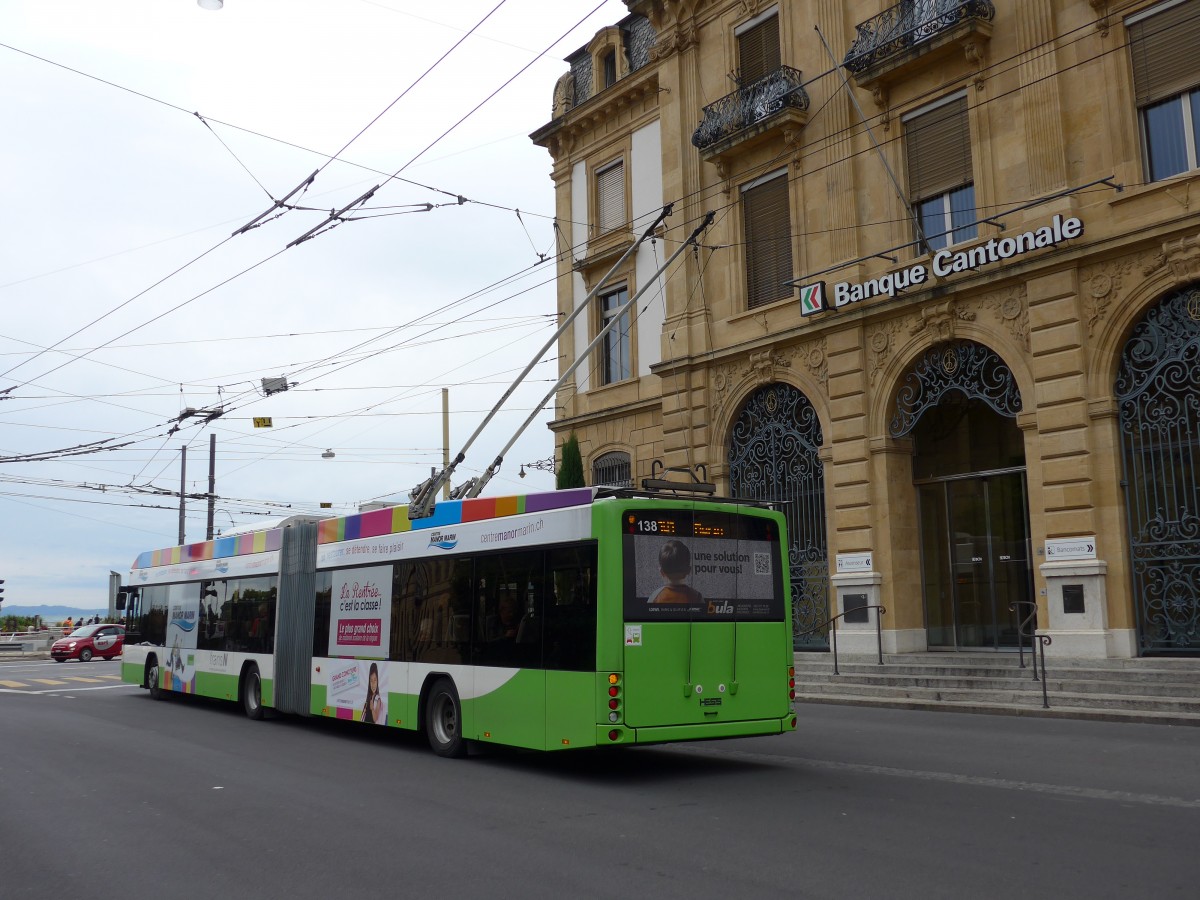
[
  {"x": 13, "y": 684},
  {"x": 47, "y": 681},
  {"x": 72, "y": 690},
  {"x": 82, "y": 678},
  {"x": 1061, "y": 790}
]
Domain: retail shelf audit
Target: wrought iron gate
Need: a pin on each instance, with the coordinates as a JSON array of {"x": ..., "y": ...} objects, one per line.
[
  {"x": 1158, "y": 397},
  {"x": 773, "y": 456}
]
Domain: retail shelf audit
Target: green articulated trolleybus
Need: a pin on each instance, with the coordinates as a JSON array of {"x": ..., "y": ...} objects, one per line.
[{"x": 575, "y": 618}]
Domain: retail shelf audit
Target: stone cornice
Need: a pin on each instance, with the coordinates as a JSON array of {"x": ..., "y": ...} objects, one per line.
[{"x": 562, "y": 134}]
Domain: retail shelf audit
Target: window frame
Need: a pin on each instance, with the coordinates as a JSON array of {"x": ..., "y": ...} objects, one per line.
[
  {"x": 1149, "y": 55},
  {"x": 757, "y": 24},
  {"x": 602, "y": 317},
  {"x": 945, "y": 187},
  {"x": 603, "y": 226},
  {"x": 758, "y": 293}
]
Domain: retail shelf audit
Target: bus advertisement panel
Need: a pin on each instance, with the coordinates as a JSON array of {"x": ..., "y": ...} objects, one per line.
[{"x": 701, "y": 566}]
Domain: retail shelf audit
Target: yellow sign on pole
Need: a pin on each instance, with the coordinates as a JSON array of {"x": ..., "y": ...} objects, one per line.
[
  {"x": 325, "y": 505},
  {"x": 262, "y": 422}
]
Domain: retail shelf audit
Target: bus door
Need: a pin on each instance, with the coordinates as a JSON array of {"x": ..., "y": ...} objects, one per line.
[{"x": 704, "y": 615}]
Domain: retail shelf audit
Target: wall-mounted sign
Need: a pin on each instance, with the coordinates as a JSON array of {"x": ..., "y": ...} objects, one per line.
[
  {"x": 945, "y": 262},
  {"x": 812, "y": 298},
  {"x": 263, "y": 422},
  {"x": 1059, "y": 549},
  {"x": 848, "y": 563}
]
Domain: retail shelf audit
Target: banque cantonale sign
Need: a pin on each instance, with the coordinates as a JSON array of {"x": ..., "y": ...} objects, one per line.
[{"x": 944, "y": 262}]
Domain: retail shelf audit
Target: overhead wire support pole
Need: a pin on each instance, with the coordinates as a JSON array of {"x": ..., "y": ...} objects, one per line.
[
  {"x": 424, "y": 494},
  {"x": 279, "y": 204},
  {"x": 924, "y": 244},
  {"x": 476, "y": 485}
]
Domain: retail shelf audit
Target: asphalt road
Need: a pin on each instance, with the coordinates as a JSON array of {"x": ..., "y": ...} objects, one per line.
[{"x": 105, "y": 793}]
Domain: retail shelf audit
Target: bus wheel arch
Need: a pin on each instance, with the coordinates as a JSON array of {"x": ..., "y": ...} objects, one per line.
[
  {"x": 250, "y": 691},
  {"x": 441, "y": 716},
  {"x": 152, "y": 678}
]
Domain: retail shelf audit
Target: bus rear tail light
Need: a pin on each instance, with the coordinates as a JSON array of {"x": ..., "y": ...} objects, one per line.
[
  {"x": 614, "y": 735},
  {"x": 791, "y": 682},
  {"x": 614, "y": 697}
]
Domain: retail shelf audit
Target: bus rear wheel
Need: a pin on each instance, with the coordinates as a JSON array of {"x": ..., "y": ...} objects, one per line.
[
  {"x": 443, "y": 720},
  {"x": 152, "y": 678},
  {"x": 252, "y": 694}
]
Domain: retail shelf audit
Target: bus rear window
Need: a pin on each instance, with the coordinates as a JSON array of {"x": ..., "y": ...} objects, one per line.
[{"x": 685, "y": 565}]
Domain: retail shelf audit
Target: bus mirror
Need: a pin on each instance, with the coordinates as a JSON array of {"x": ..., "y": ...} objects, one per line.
[{"x": 120, "y": 600}]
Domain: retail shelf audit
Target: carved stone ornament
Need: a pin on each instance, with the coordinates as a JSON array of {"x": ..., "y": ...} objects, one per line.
[
  {"x": 763, "y": 364},
  {"x": 813, "y": 356},
  {"x": 1182, "y": 257},
  {"x": 938, "y": 320},
  {"x": 974, "y": 53},
  {"x": 564, "y": 95},
  {"x": 678, "y": 39},
  {"x": 1013, "y": 312},
  {"x": 879, "y": 346},
  {"x": 1101, "y": 284}
]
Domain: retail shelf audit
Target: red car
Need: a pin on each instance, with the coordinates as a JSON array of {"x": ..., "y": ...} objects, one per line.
[{"x": 90, "y": 640}]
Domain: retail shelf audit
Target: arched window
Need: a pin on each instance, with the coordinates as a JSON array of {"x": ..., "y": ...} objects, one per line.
[{"x": 612, "y": 469}]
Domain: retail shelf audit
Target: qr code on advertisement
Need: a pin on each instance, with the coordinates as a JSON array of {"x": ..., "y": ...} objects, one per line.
[{"x": 762, "y": 563}]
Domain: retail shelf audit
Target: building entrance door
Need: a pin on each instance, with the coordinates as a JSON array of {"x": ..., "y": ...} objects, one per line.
[{"x": 975, "y": 560}]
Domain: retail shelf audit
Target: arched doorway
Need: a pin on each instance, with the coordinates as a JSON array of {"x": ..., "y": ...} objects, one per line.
[
  {"x": 959, "y": 404},
  {"x": 773, "y": 451},
  {"x": 1158, "y": 399}
]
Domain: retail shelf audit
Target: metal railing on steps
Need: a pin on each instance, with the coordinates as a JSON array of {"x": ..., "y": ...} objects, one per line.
[
  {"x": 831, "y": 623},
  {"x": 1037, "y": 644}
]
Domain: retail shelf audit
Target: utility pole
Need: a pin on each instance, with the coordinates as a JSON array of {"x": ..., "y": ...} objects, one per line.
[
  {"x": 182, "y": 487},
  {"x": 445, "y": 439},
  {"x": 212, "y": 483}
]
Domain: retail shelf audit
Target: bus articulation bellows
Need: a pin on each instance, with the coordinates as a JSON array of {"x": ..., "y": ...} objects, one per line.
[{"x": 566, "y": 619}]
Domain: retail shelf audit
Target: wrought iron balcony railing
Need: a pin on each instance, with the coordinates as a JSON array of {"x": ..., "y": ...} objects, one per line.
[
  {"x": 904, "y": 26},
  {"x": 751, "y": 105}
]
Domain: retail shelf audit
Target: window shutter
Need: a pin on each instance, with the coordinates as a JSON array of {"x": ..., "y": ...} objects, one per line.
[
  {"x": 939, "y": 150},
  {"x": 768, "y": 242},
  {"x": 1164, "y": 51},
  {"x": 610, "y": 198},
  {"x": 758, "y": 51}
]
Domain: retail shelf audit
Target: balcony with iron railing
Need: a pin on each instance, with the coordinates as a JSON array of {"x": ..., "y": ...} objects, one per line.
[
  {"x": 915, "y": 31},
  {"x": 756, "y": 111}
]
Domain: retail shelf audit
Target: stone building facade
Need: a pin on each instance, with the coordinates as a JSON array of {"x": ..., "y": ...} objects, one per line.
[{"x": 948, "y": 310}]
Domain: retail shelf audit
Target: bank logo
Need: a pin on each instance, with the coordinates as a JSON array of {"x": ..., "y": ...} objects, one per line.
[
  {"x": 812, "y": 298},
  {"x": 443, "y": 540}
]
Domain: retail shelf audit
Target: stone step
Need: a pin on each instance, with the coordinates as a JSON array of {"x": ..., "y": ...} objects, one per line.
[
  {"x": 1054, "y": 683},
  {"x": 1179, "y": 675},
  {"x": 1157, "y": 717},
  {"x": 1003, "y": 697}
]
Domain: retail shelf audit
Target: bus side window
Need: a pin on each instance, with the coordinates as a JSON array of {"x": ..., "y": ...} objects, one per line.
[
  {"x": 569, "y": 638},
  {"x": 212, "y": 611},
  {"x": 508, "y": 609},
  {"x": 443, "y": 632}
]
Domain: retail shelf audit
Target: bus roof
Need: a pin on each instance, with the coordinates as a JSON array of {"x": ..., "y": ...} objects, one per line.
[{"x": 392, "y": 520}]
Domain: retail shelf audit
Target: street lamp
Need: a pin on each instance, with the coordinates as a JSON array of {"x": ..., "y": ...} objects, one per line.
[
  {"x": 210, "y": 4},
  {"x": 328, "y": 454},
  {"x": 545, "y": 465}
]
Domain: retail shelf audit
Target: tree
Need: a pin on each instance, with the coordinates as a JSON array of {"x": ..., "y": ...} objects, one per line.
[{"x": 570, "y": 470}]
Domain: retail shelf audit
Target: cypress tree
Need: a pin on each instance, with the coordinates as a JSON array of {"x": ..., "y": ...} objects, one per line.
[{"x": 570, "y": 470}]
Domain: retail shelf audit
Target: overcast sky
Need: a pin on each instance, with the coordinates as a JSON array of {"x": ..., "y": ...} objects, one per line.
[{"x": 126, "y": 300}]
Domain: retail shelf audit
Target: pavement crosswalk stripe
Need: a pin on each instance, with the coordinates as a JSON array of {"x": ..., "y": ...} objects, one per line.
[
  {"x": 82, "y": 678},
  {"x": 47, "y": 681},
  {"x": 13, "y": 684}
]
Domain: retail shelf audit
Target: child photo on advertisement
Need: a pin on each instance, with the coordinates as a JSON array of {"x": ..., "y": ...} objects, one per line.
[
  {"x": 675, "y": 565},
  {"x": 373, "y": 707}
]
